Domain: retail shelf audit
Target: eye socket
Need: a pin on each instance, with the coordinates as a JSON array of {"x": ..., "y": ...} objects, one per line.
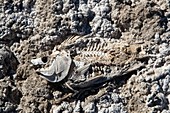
[{"x": 44, "y": 59}]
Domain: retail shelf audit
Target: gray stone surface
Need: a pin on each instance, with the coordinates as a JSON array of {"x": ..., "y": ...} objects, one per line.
[{"x": 31, "y": 29}]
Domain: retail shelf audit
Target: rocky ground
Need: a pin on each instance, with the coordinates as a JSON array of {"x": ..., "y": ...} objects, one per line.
[{"x": 32, "y": 28}]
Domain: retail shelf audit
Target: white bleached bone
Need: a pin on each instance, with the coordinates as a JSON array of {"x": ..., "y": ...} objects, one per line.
[
  {"x": 38, "y": 61},
  {"x": 58, "y": 70}
]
